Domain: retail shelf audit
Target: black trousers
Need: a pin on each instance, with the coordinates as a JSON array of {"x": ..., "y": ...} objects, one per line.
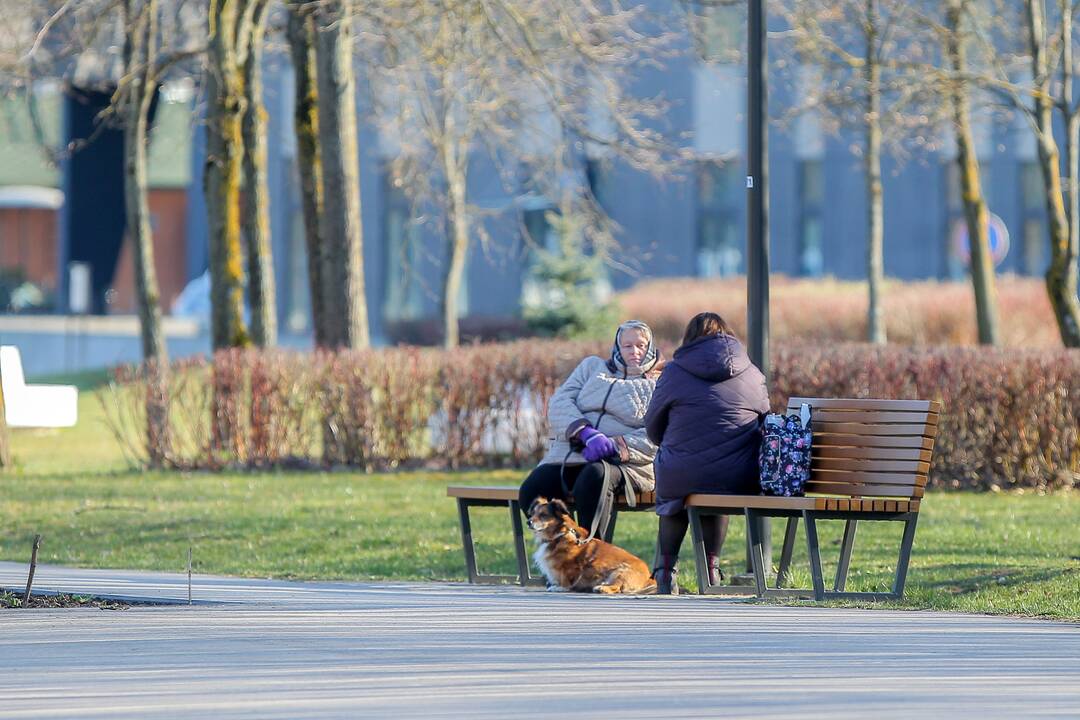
[
  {"x": 673, "y": 530},
  {"x": 586, "y": 482}
]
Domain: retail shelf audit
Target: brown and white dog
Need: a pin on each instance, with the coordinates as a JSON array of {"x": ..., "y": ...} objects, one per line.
[{"x": 569, "y": 564}]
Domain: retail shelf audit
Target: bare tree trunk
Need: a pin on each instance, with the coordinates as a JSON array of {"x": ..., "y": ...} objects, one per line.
[
  {"x": 1066, "y": 277},
  {"x": 975, "y": 212},
  {"x": 260, "y": 262},
  {"x": 224, "y": 158},
  {"x": 141, "y": 27},
  {"x": 5, "y": 437},
  {"x": 1061, "y": 281},
  {"x": 141, "y": 88},
  {"x": 301, "y": 32},
  {"x": 343, "y": 267},
  {"x": 875, "y": 251},
  {"x": 1066, "y": 259},
  {"x": 457, "y": 239}
]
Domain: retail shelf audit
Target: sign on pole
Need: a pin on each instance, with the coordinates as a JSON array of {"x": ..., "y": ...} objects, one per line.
[{"x": 998, "y": 238}]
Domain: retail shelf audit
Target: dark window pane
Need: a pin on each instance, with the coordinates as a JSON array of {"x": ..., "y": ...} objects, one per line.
[
  {"x": 403, "y": 296},
  {"x": 811, "y": 198},
  {"x": 1031, "y": 186},
  {"x": 719, "y": 202}
]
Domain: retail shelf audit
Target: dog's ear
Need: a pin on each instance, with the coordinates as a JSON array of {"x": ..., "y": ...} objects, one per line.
[
  {"x": 559, "y": 508},
  {"x": 536, "y": 504}
]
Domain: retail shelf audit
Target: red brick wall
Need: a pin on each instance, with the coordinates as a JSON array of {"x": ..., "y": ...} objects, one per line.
[
  {"x": 168, "y": 210},
  {"x": 28, "y": 242}
]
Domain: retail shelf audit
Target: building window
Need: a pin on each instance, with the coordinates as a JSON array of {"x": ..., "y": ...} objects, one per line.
[
  {"x": 597, "y": 177},
  {"x": 403, "y": 294},
  {"x": 718, "y": 30},
  {"x": 719, "y": 202},
  {"x": 1032, "y": 217},
  {"x": 811, "y": 198},
  {"x": 540, "y": 233},
  {"x": 956, "y": 266}
]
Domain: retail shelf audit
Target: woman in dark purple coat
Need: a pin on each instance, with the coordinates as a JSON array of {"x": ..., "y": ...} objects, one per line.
[{"x": 705, "y": 416}]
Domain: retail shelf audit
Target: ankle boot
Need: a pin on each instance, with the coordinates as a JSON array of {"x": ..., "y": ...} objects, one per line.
[
  {"x": 716, "y": 575},
  {"x": 666, "y": 581}
]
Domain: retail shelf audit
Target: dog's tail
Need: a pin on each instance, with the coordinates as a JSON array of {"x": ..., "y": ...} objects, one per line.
[{"x": 648, "y": 589}]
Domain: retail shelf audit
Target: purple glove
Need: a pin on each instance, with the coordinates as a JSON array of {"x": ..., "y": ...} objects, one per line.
[{"x": 597, "y": 445}]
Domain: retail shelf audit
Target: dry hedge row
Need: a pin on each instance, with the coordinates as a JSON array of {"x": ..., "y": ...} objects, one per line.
[
  {"x": 825, "y": 310},
  {"x": 1010, "y": 417}
]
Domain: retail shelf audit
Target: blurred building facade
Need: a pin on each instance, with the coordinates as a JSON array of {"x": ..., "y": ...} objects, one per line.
[{"x": 690, "y": 224}]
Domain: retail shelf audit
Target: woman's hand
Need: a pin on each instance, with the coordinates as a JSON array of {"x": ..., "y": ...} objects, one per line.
[{"x": 597, "y": 445}]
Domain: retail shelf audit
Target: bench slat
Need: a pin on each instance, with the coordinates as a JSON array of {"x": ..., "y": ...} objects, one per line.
[
  {"x": 506, "y": 493},
  {"x": 870, "y": 465},
  {"x": 855, "y": 477},
  {"x": 755, "y": 501},
  {"x": 859, "y": 505},
  {"x": 764, "y": 502},
  {"x": 483, "y": 492},
  {"x": 878, "y": 441},
  {"x": 821, "y": 452},
  {"x": 874, "y": 417},
  {"x": 866, "y": 404},
  {"x": 865, "y": 490},
  {"x": 862, "y": 429}
]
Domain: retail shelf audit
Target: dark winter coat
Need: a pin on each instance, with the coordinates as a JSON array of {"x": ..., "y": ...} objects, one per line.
[{"x": 705, "y": 417}]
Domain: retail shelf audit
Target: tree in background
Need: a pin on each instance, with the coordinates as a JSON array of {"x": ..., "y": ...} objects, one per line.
[
  {"x": 1034, "y": 72},
  {"x": 566, "y": 283},
  {"x": 1044, "y": 42},
  {"x": 519, "y": 83},
  {"x": 300, "y": 33},
  {"x": 340, "y": 231},
  {"x": 222, "y": 176},
  {"x": 5, "y": 437},
  {"x": 157, "y": 38},
  {"x": 137, "y": 90},
  {"x": 957, "y": 41},
  {"x": 860, "y": 53},
  {"x": 236, "y": 163},
  {"x": 256, "y": 206}
]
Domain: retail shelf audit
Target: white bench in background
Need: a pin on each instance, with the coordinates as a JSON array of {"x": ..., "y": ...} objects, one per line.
[{"x": 39, "y": 406}]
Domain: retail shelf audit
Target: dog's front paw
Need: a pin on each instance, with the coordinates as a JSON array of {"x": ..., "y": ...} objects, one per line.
[{"x": 556, "y": 588}]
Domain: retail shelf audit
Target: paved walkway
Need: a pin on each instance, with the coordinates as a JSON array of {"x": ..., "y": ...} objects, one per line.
[{"x": 265, "y": 649}]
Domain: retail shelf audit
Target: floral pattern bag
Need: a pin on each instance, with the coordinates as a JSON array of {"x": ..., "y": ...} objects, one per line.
[{"x": 785, "y": 453}]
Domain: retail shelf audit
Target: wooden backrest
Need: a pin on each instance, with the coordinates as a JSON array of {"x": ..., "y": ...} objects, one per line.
[{"x": 870, "y": 448}]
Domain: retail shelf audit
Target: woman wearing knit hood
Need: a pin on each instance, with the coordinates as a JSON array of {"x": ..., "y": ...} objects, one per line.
[
  {"x": 705, "y": 417},
  {"x": 597, "y": 424}
]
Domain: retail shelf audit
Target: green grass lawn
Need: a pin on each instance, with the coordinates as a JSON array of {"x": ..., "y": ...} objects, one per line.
[{"x": 997, "y": 553}]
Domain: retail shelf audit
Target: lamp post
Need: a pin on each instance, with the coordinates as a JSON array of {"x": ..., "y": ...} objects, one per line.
[{"x": 757, "y": 207}]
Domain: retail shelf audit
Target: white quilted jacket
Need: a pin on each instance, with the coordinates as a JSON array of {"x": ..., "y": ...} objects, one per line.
[{"x": 582, "y": 396}]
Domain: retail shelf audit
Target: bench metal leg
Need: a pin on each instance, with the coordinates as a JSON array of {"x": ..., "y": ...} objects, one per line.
[
  {"x": 525, "y": 576},
  {"x": 467, "y": 541},
  {"x": 699, "y": 550},
  {"x": 700, "y": 563},
  {"x": 846, "y": 546},
  {"x": 757, "y": 560},
  {"x": 815, "y": 555},
  {"x": 790, "y": 533},
  {"x": 905, "y": 555},
  {"x": 476, "y": 577},
  {"x": 519, "y": 543}
]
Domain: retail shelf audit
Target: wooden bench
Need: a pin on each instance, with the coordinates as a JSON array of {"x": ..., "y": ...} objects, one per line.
[
  {"x": 870, "y": 461},
  {"x": 469, "y": 496}
]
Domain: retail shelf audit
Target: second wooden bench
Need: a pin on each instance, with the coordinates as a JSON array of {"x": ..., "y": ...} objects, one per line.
[{"x": 469, "y": 496}]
